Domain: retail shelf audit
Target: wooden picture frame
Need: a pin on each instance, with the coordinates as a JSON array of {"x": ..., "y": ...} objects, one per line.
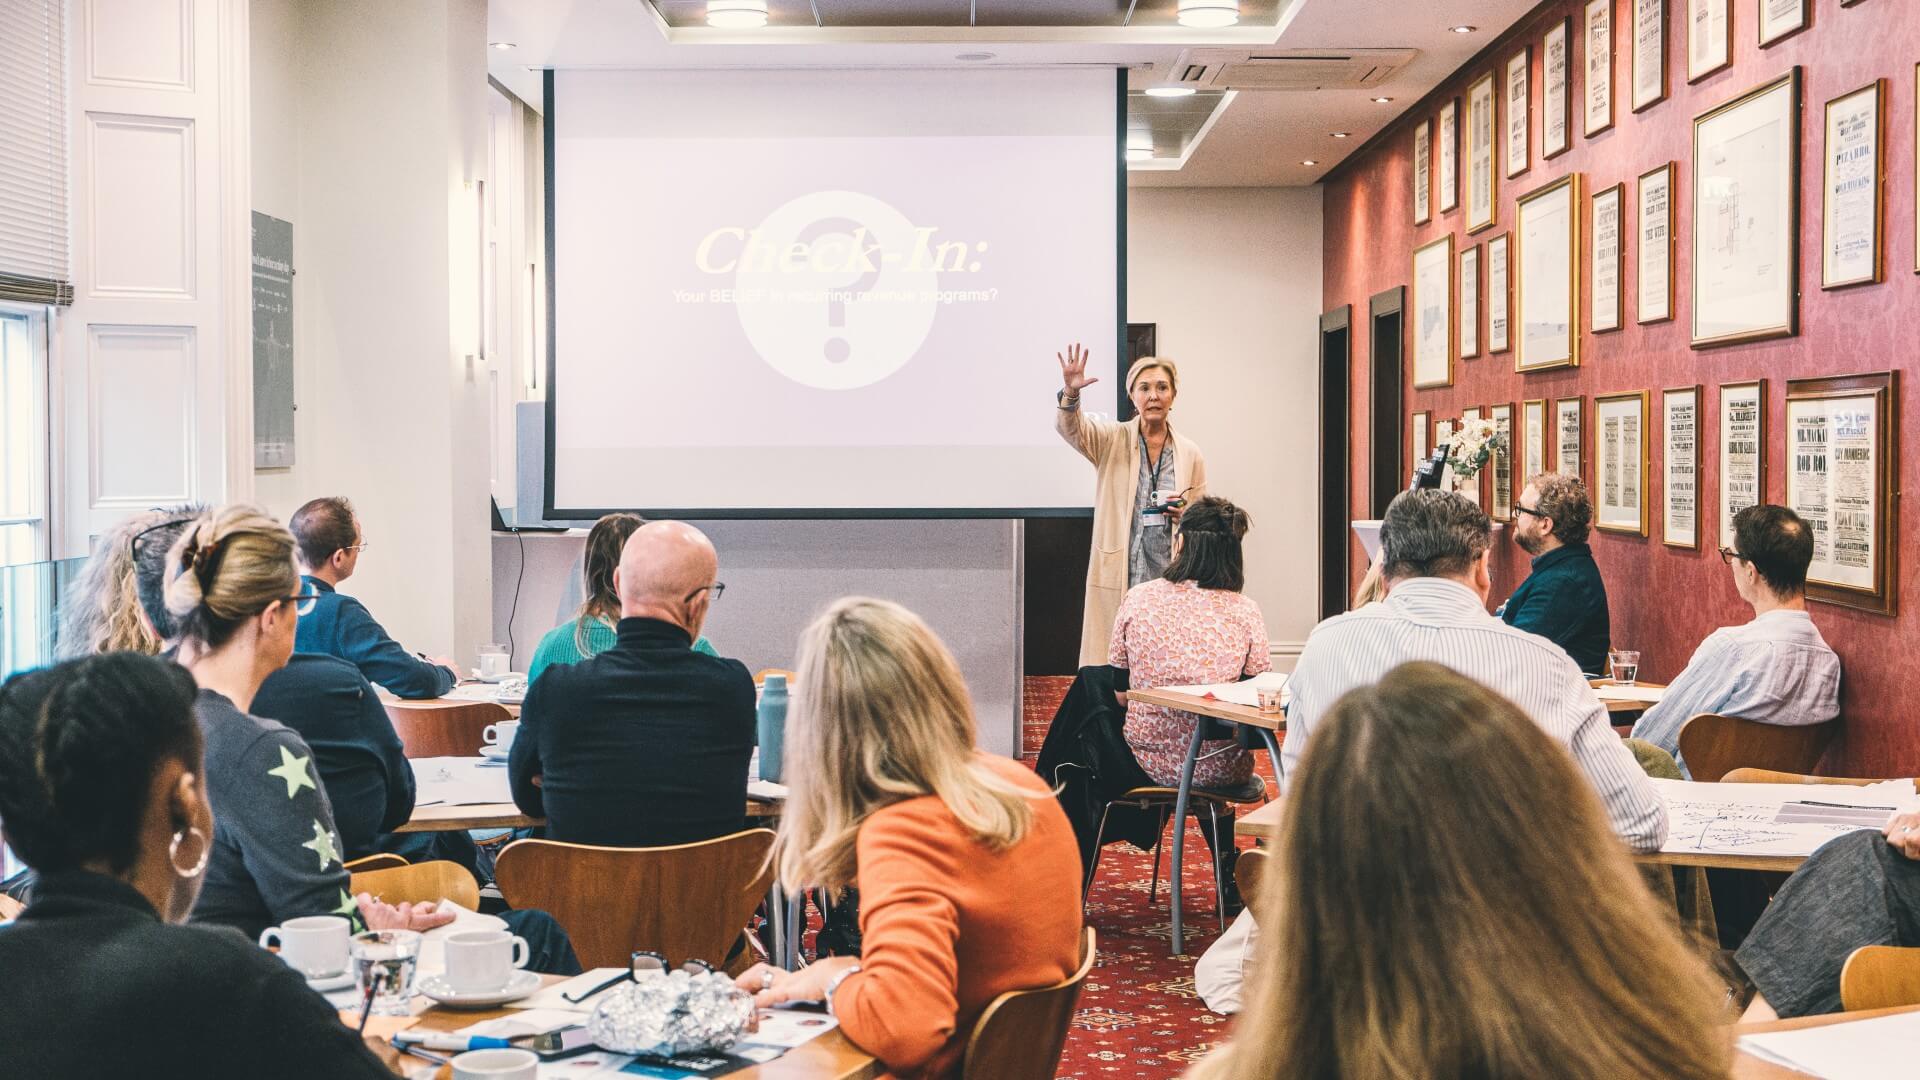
[
  {"x": 1775, "y": 28},
  {"x": 1556, "y": 90},
  {"x": 1654, "y": 253},
  {"x": 1423, "y": 172},
  {"x": 1546, "y": 276},
  {"x": 1680, "y": 458},
  {"x": 1533, "y": 443},
  {"x": 1742, "y": 451},
  {"x": 1500, "y": 468},
  {"x": 1745, "y": 181},
  {"x": 1483, "y": 173},
  {"x": 1420, "y": 437},
  {"x": 1518, "y": 128},
  {"x": 1432, "y": 312},
  {"x": 1853, "y": 197},
  {"x": 1606, "y": 260},
  {"x": 1648, "y": 79},
  {"x": 1852, "y": 506},
  {"x": 1620, "y": 462},
  {"x": 1449, "y": 170},
  {"x": 1709, "y": 37},
  {"x": 1570, "y": 434},
  {"x": 1499, "y": 260},
  {"x": 1468, "y": 294},
  {"x": 1596, "y": 90}
]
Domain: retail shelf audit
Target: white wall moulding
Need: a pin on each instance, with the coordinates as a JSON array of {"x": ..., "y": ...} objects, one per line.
[
  {"x": 150, "y": 46},
  {"x": 141, "y": 414},
  {"x": 141, "y": 202}
]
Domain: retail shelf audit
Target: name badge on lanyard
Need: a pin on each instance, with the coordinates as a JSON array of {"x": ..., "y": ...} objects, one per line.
[{"x": 1153, "y": 519}]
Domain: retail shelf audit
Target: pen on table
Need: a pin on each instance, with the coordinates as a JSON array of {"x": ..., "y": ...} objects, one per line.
[
  {"x": 439, "y": 1040},
  {"x": 420, "y": 1053},
  {"x": 1840, "y": 805}
]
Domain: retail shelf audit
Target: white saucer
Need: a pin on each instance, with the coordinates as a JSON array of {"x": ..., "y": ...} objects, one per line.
[
  {"x": 332, "y": 982},
  {"x": 495, "y": 753},
  {"x": 500, "y": 678},
  {"x": 520, "y": 985}
]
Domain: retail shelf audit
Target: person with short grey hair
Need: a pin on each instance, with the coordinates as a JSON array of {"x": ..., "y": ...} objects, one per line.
[{"x": 1564, "y": 598}]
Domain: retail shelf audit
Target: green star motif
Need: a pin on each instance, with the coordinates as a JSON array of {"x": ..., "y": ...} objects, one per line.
[
  {"x": 322, "y": 845},
  {"x": 347, "y": 907},
  {"x": 294, "y": 771}
]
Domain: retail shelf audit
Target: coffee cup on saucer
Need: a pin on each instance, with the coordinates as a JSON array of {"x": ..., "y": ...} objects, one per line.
[
  {"x": 511, "y": 1064},
  {"x": 482, "y": 961},
  {"x": 500, "y": 734},
  {"x": 313, "y": 945}
]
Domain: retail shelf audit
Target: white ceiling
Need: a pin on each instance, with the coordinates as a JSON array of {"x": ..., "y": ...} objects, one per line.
[{"x": 1259, "y": 140}]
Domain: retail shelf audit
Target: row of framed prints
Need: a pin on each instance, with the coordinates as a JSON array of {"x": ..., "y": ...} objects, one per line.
[
  {"x": 1745, "y": 194},
  {"x": 1709, "y": 26},
  {"x": 1840, "y": 453}
]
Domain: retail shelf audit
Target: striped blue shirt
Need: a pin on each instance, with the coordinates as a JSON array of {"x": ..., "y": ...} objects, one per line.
[{"x": 1444, "y": 622}]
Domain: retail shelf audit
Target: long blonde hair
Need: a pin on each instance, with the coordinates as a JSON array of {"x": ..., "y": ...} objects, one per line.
[
  {"x": 1448, "y": 901},
  {"x": 881, "y": 715},
  {"x": 605, "y": 543},
  {"x": 227, "y": 567},
  {"x": 101, "y": 611}
]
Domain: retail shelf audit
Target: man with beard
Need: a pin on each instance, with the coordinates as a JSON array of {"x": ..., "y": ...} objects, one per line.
[{"x": 1563, "y": 599}]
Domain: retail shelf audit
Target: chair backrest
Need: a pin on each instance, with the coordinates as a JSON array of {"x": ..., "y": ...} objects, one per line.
[
  {"x": 1880, "y": 977},
  {"x": 1249, "y": 874},
  {"x": 379, "y": 860},
  {"x": 687, "y": 902},
  {"x": 1773, "y": 776},
  {"x": 1714, "y": 745},
  {"x": 412, "y": 884},
  {"x": 1020, "y": 1034},
  {"x": 443, "y": 728}
]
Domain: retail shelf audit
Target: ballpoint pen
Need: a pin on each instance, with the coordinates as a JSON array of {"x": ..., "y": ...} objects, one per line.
[{"x": 440, "y": 1040}]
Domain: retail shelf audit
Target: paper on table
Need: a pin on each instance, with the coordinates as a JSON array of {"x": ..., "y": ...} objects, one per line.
[
  {"x": 1649, "y": 694},
  {"x": 788, "y": 1028},
  {"x": 1246, "y": 692},
  {"x": 766, "y": 791},
  {"x": 1758, "y": 819},
  {"x": 552, "y": 997},
  {"x": 1877, "y": 1049},
  {"x": 503, "y": 694},
  {"x": 523, "y": 1024},
  {"x": 458, "y": 781}
]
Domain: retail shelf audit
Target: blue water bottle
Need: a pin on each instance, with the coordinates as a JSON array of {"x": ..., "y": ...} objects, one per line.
[{"x": 772, "y": 725}]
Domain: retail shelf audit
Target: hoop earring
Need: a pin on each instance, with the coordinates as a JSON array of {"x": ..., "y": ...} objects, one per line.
[{"x": 173, "y": 852}]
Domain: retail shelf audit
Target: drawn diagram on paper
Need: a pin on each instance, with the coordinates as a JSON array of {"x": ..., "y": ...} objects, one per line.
[{"x": 1774, "y": 819}]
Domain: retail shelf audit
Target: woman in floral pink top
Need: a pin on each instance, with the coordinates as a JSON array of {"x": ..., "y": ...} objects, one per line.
[{"x": 1193, "y": 625}]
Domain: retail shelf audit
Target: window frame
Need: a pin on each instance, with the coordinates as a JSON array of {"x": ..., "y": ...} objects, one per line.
[{"x": 39, "y": 323}]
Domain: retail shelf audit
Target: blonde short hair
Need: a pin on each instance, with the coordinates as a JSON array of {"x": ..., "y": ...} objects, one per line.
[
  {"x": 228, "y": 566},
  {"x": 1148, "y": 362}
]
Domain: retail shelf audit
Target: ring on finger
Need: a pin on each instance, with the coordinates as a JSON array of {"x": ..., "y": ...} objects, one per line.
[{"x": 766, "y": 981}]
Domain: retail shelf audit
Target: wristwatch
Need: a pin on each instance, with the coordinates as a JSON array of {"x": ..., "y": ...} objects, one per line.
[
  {"x": 837, "y": 980},
  {"x": 1061, "y": 400}
]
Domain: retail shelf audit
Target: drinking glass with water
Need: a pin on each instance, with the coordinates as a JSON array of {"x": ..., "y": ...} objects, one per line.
[
  {"x": 384, "y": 960},
  {"x": 1625, "y": 665}
]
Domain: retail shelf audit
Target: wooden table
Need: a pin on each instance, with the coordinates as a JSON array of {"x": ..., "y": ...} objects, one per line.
[
  {"x": 442, "y": 818},
  {"x": 830, "y": 1057},
  {"x": 1747, "y": 1067},
  {"x": 1614, "y": 707}
]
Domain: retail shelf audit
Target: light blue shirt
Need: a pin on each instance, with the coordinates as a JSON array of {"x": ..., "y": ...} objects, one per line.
[{"x": 1776, "y": 669}]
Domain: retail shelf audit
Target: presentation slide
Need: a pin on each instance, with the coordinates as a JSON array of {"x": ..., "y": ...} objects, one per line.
[{"x": 834, "y": 291}]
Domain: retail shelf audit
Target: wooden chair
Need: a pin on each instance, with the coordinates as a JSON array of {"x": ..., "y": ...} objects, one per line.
[
  {"x": 760, "y": 677},
  {"x": 687, "y": 902},
  {"x": 1713, "y": 745},
  {"x": 1021, "y": 1033},
  {"x": 10, "y": 908},
  {"x": 1880, "y": 977},
  {"x": 1249, "y": 872},
  {"x": 443, "y": 728},
  {"x": 1770, "y": 776},
  {"x": 1165, "y": 799},
  {"x": 378, "y": 861},
  {"x": 417, "y": 882}
]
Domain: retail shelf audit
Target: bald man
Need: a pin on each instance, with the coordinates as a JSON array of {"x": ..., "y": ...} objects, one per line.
[{"x": 647, "y": 743}]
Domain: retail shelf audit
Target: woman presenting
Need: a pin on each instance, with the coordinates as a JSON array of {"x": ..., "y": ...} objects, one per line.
[{"x": 1145, "y": 474}]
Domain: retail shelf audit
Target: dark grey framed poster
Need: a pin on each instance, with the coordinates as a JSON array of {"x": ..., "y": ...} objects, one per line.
[{"x": 272, "y": 342}]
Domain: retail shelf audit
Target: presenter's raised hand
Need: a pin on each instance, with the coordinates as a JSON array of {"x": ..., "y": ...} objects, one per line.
[{"x": 1073, "y": 369}]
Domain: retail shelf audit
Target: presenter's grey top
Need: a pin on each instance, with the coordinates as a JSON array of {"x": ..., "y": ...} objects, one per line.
[
  {"x": 1150, "y": 536},
  {"x": 1444, "y": 622},
  {"x": 1776, "y": 669}
]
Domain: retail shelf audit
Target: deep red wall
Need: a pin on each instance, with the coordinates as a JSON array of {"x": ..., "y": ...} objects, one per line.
[{"x": 1664, "y": 600}]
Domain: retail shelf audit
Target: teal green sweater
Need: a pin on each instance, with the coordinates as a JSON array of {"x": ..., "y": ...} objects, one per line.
[{"x": 559, "y": 646}]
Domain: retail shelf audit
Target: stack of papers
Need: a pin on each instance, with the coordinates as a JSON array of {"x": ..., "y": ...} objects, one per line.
[
  {"x": 459, "y": 781},
  {"x": 1649, "y": 694},
  {"x": 1774, "y": 819},
  {"x": 1877, "y": 1049}
]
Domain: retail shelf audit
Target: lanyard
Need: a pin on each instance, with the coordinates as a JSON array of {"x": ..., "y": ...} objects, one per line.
[{"x": 1154, "y": 466}]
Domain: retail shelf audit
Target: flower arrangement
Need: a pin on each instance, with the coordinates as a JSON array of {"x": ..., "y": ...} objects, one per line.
[{"x": 1471, "y": 447}]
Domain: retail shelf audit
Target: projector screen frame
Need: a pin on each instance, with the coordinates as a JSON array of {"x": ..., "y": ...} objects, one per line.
[{"x": 550, "y": 512}]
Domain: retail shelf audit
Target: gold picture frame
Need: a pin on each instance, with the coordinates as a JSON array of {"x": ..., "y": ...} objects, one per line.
[
  {"x": 1772, "y": 32},
  {"x": 1543, "y": 260},
  {"x": 1607, "y": 319},
  {"x": 1564, "y": 408},
  {"x": 1423, "y": 172},
  {"x": 1485, "y": 117},
  {"x": 1660, "y": 20},
  {"x": 1532, "y": 411},
  {"x": 1519, "y": 66},
  {"x": 1597, "y": 25},
  {"x": 1467, "y": 295},
  {"x": 1499, "y": 293},
  {"x": 1669, "y": 465},
  {"x": 1718, "y": 56},
  {"x": 1562, "y": 88},
  {"x": 1649, "y": 245},
  {"x": 1719, "y": 261},
  {"x": 1433, "y": 266},
  {"x": 1500, "y": 504},
  {"x": 1627, "y": 497}
]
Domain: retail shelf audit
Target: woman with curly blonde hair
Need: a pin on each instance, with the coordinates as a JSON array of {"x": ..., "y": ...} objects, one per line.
[{"x": 101, "y": 610}]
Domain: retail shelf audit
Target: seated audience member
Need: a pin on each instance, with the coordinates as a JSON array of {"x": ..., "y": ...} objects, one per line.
[
  {"x": 647, "y": 743},
  {"x": 969, "y": 885},
  {"x": 1862, "y": 889},
  {"x": 100, "y": 612},
  {"x": 1563, "y": 598},
  {"x": 1409, "y": 935},
  {"x": 592, "y": 631},
  {"x": 1776, "y": 669},
  {"x": 103, "y": 792},
  {"x": 1434, "y": 556},
  {"x": 330, "y": 541},
  {"x": 1193, "y": 625}
]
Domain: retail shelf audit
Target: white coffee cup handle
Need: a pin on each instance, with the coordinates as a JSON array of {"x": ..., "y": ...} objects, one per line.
[
  {"x": 521, "y": 952},
  {"x": 490, "y": 735},
  {"x": 270, "y": 932}
]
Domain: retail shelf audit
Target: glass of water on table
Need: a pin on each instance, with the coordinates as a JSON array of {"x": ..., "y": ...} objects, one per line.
[
  {"x": 385, "y": 960},
  {"x": 1624, "y": 666}
]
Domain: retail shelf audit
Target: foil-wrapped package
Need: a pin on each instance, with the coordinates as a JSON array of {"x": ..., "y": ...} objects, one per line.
[{"x": 672, "y": 1012}]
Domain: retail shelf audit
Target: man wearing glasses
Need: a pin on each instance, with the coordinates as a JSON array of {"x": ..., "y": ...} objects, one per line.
[
  {"x": 647, "y": 742},
  {"x": 1776, "y": 669},
  {"x": 1563, "y": 598},
  {"x": 330, "y": 542}
]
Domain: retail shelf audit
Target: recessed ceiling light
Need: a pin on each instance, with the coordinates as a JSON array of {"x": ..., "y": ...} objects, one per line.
[
  {"x": 1208, "y": 14},
  {"x": 974, "y": 57},
  {"x": 1463, "y": 29},
  {"x": 503, "y": 46},
  {"x": 1309, "y": 161},
  {"x": 1136, "y": 153},
  {"x": 1343, "y": 134},
  {"x": 737, "y": 14},
  {"x": 1381, "y": 100},
  {"x": 1169, "y": 91}
]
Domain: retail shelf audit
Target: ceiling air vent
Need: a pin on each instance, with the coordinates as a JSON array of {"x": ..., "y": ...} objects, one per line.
[{"x": 1289, "y": 69}]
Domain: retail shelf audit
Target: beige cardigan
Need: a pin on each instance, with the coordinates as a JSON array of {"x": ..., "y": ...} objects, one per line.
[{"x": 1114, "y": 449}]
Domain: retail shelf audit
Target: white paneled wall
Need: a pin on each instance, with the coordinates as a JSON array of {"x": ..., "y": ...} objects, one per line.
[{"x": 155, "y": 369}]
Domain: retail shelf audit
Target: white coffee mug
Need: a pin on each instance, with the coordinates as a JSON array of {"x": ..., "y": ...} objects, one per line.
[
  {"x": 496, "y": 1065},
  {"x": 482, "y": 960},
  {"x": 500, "y": 734},
  {"x": 493, "y": 661},
  {"x": 313, "y": 945}
]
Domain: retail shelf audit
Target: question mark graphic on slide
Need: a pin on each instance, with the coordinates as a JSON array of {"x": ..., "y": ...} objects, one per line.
[{"x": 837, "y": 349}]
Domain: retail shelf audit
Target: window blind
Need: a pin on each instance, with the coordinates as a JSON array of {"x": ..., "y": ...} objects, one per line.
[{"x": 33, "y": 153}]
